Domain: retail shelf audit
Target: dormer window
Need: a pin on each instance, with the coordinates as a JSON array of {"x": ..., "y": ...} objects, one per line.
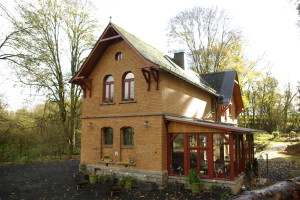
[
  {"x": 118, "y": 56},
  {"x": 108, "y": 89},
  {"x": 128, "y": 87}
]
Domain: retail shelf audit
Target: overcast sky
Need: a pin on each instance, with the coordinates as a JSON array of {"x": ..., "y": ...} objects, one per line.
[{"x": 268, "y": 25}]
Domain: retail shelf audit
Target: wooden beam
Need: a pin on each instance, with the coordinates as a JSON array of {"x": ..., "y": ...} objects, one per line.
[
  {"x": 86, "y": 84},
  {"x": 155, "y": 75},
  {"x": 110, "y": 38},
  {"x": 231, "y": 155},
  {"x": 225, "y": 138},
  {"x": 147, "y": 77}
]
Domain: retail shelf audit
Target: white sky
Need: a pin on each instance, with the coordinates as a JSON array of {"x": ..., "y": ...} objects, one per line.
[{"x": 268, "y": 25}]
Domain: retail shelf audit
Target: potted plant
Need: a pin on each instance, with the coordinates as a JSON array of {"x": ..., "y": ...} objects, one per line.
[
  {"x": 194, "y": 180},
  {"x": 127, "y": 182},
  {"x": 93, "y": 178}
]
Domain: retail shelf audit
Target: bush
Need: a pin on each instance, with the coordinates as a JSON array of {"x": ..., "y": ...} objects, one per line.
[
  {"x": 293, "y": 134},
  {"x": 275, "y": 134}
]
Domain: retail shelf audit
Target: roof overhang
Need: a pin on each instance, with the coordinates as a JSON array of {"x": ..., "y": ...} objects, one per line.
[{"x": 224, "y": 127}]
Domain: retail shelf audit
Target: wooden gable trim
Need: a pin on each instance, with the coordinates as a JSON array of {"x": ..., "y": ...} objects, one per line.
[
  {"x": 110, "y": 38},
  {"x": 109, "y": 34},
  {"x": 155, "y": 75},
  {"x": 237, "y": 95},
  {"x": 85, "y": 84},
  {"x": 224, "y": 108},
  {"x": 147, "y": 77},
  {"x": 147, "y": 73}
]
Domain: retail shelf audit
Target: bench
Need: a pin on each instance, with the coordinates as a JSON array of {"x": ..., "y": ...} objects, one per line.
[
  {"x": 114, "y": 188},
  {"x": 80, "y": 180}
]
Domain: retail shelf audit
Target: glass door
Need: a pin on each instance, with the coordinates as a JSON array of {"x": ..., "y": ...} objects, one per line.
[{"x": 198, "y": 153}]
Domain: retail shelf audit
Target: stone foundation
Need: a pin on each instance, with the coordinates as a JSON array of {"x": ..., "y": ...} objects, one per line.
[
  {"x": 234, "y": 186},
  {"x": 160, "y": 178}
]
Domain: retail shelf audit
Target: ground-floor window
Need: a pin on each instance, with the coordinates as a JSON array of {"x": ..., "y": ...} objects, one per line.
[
  {"x": 221, "y": 155},
  {"x": 188, "y": 151},
  {"x": 128, "y": 136},
  {"x": 214, "y": 155},
  {"x": 177, "y": 154}
]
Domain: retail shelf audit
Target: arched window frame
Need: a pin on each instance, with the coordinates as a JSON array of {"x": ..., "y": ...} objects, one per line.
[
  {"x": 108, "y": 136},
  {"x": 128, "y": 87},
  {"x": 108, "y": 89},
  {"x": 127, "y": 136}
]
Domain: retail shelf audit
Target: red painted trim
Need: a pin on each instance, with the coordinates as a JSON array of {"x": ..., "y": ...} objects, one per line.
[
  {"x": 232, "y": 159},
  {"x": 210, "y": 156},
  {"x": 168, "y": 149},
  {"x": 186, "y": 155},
  {"x": 224, "y": 137},
  {"x": 129, "y": 85},
  {"x": 174, "y": 136}
]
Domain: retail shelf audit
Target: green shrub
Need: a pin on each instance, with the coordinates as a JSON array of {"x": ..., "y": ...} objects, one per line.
[
  {"x": 275, "y": 134},
  {"x": 293, "y": 134}
]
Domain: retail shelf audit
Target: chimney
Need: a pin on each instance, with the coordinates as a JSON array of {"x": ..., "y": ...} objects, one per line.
[{"x": 179, "y": 59}]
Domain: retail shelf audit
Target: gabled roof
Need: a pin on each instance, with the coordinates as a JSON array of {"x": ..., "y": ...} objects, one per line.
[
  {"x": 222, "y": 82},
  {"x": 226, "y": 84},
  {"x": 151, "y": 55}
]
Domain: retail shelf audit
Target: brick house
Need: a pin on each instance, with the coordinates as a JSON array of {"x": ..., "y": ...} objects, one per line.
[{"x": 146, "y": 115}]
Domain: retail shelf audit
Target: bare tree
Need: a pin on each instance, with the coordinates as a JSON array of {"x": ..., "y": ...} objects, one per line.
[
  {"x": 51, "y": 49},
  {"x": 207, "y": 34}
]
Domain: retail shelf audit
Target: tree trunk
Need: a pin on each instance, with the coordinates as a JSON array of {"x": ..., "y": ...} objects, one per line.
[{"x": 285, "y": 190}]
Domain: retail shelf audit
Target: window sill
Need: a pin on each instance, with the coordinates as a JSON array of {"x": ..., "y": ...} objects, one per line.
[
  {"x": 129, "y": 101},
  {"x": 107, "y": 146},
  {"x": 127, "y": 147},
  {"x": 127, "y": 164},
  {"x": 107, "y": 103}
]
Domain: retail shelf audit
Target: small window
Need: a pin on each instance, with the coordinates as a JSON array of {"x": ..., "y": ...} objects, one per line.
[
  {"x": 108, "y": 136},
  {"x": 128, "y": 87},
  {"x": 128, "y": 134},
  {"x": 118, "y": 56},
  {"x": 109, "y": 89}
]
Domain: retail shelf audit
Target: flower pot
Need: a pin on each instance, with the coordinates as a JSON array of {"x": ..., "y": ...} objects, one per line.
[
  {"x": 176, "y": 186},
  {"x": 128, "y": 184},
  {"x": 146, "y": 186},
  {"x": 93, "y": 178},
  {"x": 195, "y": 187}
]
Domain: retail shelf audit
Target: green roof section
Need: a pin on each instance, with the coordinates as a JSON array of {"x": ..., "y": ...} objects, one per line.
[{"x": 165, "y": 62}]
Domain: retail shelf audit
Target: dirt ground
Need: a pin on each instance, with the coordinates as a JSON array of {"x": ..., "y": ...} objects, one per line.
[{"x": 54, "y": 180}]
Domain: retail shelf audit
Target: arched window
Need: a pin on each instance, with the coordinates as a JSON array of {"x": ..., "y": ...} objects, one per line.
[
  {"x": 128, "y": 136},
  {"x": 128, "y": 87},
  {"x": 109, "y": 89},
  {"x": 108, "y": 136}
]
